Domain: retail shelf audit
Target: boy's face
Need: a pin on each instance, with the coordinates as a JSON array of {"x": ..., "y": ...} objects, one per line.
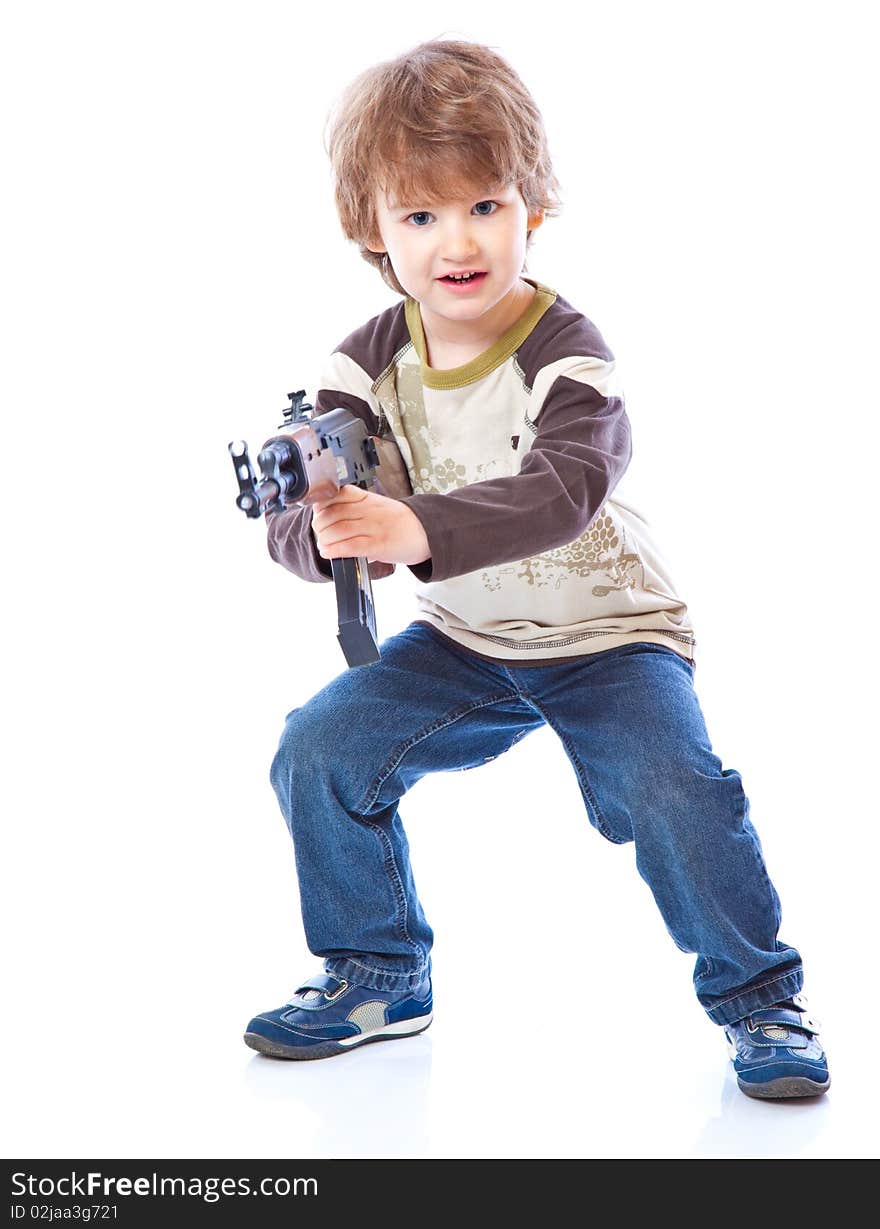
[{"x": 483, "y": 233}]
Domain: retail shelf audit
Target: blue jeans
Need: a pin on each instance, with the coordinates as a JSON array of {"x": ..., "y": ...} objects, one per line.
[{"x": 633, "y": 731}]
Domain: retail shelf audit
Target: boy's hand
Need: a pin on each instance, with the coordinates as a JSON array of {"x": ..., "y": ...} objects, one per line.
[{"x": 357, "y": 522}]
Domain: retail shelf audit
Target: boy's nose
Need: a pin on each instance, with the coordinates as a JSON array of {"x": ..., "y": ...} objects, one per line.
[{"x": 459, "y": 244}]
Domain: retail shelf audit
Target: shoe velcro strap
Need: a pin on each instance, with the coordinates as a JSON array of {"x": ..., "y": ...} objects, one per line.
[
  {"x": 794, "y": 1041},
  {"x": 783, "y": 1017},
  {"x": 325, "y": 982}
]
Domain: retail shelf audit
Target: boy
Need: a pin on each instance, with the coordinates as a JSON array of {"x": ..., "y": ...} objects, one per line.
[{"x": 542, "y": 596}]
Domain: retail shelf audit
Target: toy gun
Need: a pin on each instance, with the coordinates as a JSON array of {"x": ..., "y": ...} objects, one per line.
[{"x": 316, "y": 455}]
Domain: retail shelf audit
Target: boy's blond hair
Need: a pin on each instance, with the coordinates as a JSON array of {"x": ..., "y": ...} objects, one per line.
[{"x": 433, "y": 121}]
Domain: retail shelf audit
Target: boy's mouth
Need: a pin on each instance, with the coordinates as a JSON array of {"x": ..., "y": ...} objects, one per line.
[{"x": 462, "y": 279}]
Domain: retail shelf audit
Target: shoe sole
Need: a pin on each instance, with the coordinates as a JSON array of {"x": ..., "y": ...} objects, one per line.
[
  {"x": 785, "y": 1087},
  {"x": 329, "y": 1049}
]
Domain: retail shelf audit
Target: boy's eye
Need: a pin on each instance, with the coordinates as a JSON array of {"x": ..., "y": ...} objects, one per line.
[{"x": 482, "y": 209}]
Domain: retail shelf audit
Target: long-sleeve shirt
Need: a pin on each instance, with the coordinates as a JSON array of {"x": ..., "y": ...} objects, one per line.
[{"x": 516, "y": 461}]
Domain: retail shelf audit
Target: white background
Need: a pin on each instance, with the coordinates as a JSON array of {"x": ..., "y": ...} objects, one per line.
[{"x": 172, "y": 267}]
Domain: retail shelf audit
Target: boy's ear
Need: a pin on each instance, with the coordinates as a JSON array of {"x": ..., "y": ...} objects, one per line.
[{"x": 535, "y": 220}]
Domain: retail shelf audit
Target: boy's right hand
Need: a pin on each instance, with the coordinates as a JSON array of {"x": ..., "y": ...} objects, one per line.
[{"x": 378, "y": 569}]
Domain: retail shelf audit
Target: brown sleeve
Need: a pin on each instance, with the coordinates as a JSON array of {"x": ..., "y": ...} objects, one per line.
[
  {"x": 581, "y": 449},
  {"x": 291, "y": 543}
]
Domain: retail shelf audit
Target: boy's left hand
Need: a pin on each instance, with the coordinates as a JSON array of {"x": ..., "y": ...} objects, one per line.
[{"x": 356, "y": 523}]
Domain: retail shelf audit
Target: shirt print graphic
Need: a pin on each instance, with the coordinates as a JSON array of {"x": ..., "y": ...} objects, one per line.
[
  {"x": 404, "y": 407},
  {"x": 602, "y": 551}
]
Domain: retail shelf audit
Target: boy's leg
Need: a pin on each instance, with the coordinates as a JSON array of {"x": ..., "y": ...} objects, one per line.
[
  {"x": 633, "y": 729},
  {"x": 346, "y": 758}
]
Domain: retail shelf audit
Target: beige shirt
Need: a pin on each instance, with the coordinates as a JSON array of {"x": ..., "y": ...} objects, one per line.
[{"x": 517, "y": 462}]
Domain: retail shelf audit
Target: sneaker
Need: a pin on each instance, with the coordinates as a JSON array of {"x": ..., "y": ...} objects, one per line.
[
  {"x": 328, "y": 1016},
  {"x": 776, "y": 1052}
]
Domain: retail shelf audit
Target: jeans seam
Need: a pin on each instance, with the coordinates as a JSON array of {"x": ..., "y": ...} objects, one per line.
[
  {"x": 440, "y": 723},
  {"x": 393, "y": 872},
  {"x": 391, "y": 868},
  {"x": 581, "y": 774},
  {"x": 762, "y": 867},
  {"x": 368, "y": 968},
  {"x": 710, "y": 969},
  {"x": 741, "y": 994}
]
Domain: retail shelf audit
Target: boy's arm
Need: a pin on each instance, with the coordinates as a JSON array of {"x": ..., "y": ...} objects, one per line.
[
  {"x": 291, "y": 543},
  {"x": 580, "y": 451}
]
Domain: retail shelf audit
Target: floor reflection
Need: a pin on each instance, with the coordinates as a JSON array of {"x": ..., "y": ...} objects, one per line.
[
  {"x": 370, "y": 1103},
  {"x": 746, "y": 1127}
]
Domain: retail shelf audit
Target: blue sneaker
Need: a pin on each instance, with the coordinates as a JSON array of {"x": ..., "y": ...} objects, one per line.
[
  {"x": 776, "y": 1052},
  {"x": 328, "y": 1016}
]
